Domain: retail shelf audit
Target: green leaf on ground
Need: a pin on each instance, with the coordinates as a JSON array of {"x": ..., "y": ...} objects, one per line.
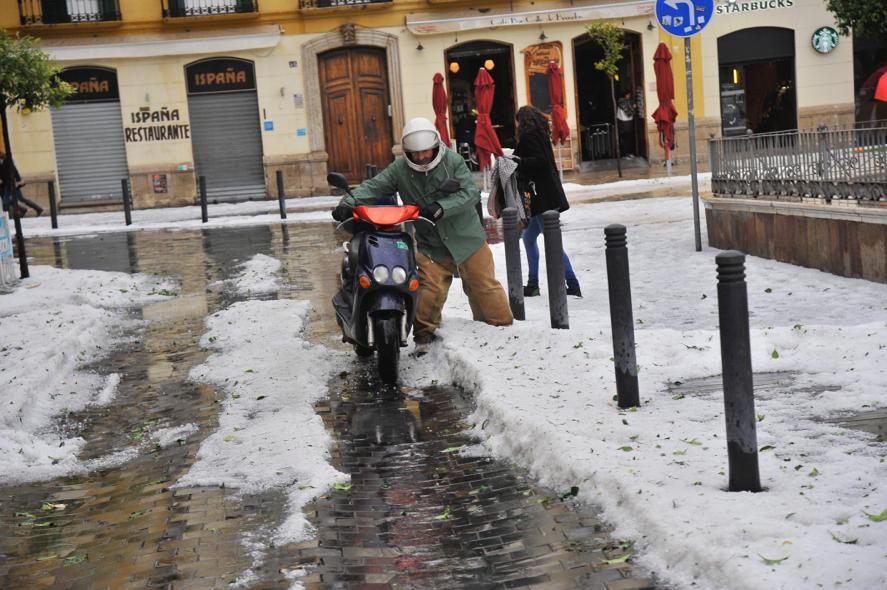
[
  {"x": 844, "y": 541},
  {"x": 250, "y": 371},
  {"x": 769, "y": 561},
  {"x": 139, "y": 513},
  {"x": 47, "y": 557},
  {"x": 766, "y": 448},
  {"x": 451, "y": 450},
  {"x": 680, "y": 452},
  {"x": 877, "y": 517},
  {"x": 813, "y": 472},
  {"x": 760, "y": 417},
  {"x": 230, "y": 438},
  {"x": 342, "y": 487},
  {"x": 574, "y": 491},
  {"x": 677, "y": 396},
  {"x": 692, "y": 441},
  {"x": 626, "y": 449},
  {"x": 617, "y": 560},
  {"x": 75, "y": 559},
  {"x": 768, "y": 290},
  {"x": 445, "y": 515},
  {"x": 774, "y": 354},
  {"x": 50, "y": 507}
]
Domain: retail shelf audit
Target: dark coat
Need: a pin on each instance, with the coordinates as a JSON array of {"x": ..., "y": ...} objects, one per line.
[{"x": 537, "y": 164}]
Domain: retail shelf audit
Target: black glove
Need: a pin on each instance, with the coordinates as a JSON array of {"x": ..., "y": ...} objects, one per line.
[
  {"x": 343, "y": 212},
  {"x": 432, "y": 212}
]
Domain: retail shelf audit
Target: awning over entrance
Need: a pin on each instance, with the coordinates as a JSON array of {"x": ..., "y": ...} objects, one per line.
[
  {"x": 191, "y": 43},
  {"x": 554, "y": 12}
]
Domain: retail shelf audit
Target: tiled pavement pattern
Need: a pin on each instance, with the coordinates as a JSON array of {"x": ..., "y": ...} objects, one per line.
[
  {"x": 419, "y": 514},
  {"x": 426, "y": 509}
]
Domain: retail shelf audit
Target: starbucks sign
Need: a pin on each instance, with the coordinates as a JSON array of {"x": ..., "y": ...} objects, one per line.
[{"x": 825, "y": 39}]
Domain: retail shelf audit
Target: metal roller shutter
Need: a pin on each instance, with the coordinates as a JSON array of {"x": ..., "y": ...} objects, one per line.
[
  {"x": 89, "y": 150},
  {"x": 227, "y": 144}
]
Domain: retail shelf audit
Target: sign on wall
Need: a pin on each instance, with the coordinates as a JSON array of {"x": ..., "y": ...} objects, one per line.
[
  {"x": 91, "y": 84},
  {"x": 163, "y": 124},
  {"x": 536, "y": 60},
  {"x": 824, "y": 39},
  {"x": 220, "y": 75},
  {"x": 737, "y": 7}
]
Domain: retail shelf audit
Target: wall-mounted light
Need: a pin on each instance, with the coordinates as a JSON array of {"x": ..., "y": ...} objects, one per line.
[
  {"x": 543, "y": 36},
  {"x": 419, "y": 47},
  {"x": 454, "y": 67},
  {"x": 489, "y": 64},
  {"x": 736, "y": 76},
  {"x": 650, "y": 26}
]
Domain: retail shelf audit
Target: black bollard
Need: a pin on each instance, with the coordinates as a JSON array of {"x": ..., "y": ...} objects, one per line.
[
  {"x": 24, "y": 272},
  {"x": 512, "y": 262},
  {"x": 127, "y": 205},
  {"x": 281, "y": 198},
  {"x": 621, "y": 317},
  {"x": 371, "y": 170},
  {"x": 554, "y": 262},
  {"x": 53, "y": 206},
  {"x": 739, "y": 397},
  {"x": 201, "y": 188}
]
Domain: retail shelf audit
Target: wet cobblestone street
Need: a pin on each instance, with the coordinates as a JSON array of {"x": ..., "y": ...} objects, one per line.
[{"x": 426, "y": 508}]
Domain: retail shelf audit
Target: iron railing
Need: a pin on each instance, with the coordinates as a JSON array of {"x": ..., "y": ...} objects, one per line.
[
  {"x": 185, "y": 8},
  {"x": 50, "y": 12},
  {"x": 844, "y": 164},
  {"x": 338, "y": 3}
]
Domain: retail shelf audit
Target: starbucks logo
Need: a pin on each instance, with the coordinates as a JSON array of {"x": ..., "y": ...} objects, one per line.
[{"x": 825, "y": 39}]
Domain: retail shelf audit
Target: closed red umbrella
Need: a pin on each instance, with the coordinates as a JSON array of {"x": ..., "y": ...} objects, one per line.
[
  {"x": 881, "y": 90},
  {"x": 486, "y": 142},
  {"x": 439, "y": 102},
  {"x": 560, "y": 131},
  {"x": 665, "y": 115}
]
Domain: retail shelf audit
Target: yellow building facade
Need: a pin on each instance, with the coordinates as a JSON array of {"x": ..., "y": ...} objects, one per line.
[{"x": 237, "y": 90}]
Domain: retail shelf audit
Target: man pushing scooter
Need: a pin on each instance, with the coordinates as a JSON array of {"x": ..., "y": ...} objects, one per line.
[{"x": 455, "y": 240}]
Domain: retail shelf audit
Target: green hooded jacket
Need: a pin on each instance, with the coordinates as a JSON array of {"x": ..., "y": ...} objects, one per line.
[{"x": 458, "y": 233}]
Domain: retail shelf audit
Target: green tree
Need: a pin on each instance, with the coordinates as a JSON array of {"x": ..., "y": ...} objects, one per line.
[
  {"x": 866, "y": 17},
  {"x": 610, "y": 38},
  {"x": 28, "y": 80}
]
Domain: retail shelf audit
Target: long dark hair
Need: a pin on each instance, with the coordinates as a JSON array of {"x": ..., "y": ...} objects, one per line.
[{"x": 530, "y": 120}]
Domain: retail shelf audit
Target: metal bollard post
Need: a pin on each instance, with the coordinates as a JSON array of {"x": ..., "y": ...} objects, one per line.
[
  {"x": 127, "y": 205},
  {"x": 554, "y": 261},
  {"x": 512, "y": 263},
  {"x": 739, "y": 398},
  {"x": 201, "y": 188},
  {"x": 281, "y": 198},
  {"x": 53, "y": 206},
  {"x": 621, "y": 317},
  {"x": 371, "y": 170}
]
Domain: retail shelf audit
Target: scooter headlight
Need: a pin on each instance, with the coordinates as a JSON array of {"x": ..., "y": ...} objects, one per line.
[
  {"x": 398, "y": 275},
  {"x": 380, "y": 273}
]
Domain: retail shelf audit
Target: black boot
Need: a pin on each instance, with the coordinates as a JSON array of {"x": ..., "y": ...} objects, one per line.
[{"x": 531, "y": 289}]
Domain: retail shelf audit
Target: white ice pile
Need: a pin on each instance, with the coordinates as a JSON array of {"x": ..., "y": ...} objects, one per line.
[
  {"x": 269, "y": 435},
  {"x": 545, "y": 399},
  {"x": 52, "y": 325}
]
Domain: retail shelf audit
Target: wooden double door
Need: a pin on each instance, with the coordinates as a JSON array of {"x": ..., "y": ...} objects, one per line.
[{"x": 356, "y": 110}]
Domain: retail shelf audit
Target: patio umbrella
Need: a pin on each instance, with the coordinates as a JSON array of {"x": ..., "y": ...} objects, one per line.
[
  {"x": 486, "y": 143},
  {"x": 439, "y": 102},
  {"x": 881, "y": 89},
  {"x": 665, "y": 114},
  {"x": 560, "y": 131}
]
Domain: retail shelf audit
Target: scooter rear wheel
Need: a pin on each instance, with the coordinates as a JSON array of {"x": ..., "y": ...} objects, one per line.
[{"x": 386, "y": 334}]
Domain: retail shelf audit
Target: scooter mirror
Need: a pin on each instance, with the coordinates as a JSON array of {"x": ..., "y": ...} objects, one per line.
[
  {"x": 449, "y": 186},
  {"x": 337, "y": 180}
]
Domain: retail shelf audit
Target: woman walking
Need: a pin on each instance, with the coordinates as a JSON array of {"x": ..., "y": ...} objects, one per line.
[{"x": 539, "y": 179}]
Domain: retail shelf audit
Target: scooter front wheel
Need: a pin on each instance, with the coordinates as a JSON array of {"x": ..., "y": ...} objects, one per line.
[{"x": 386, "y": 334}]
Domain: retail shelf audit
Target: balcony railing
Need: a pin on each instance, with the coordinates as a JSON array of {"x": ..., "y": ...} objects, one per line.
[
  {"x": 338, "y": 3},
  {"x": 185, "y": 8},
  {"x": 50, "y": 12}
]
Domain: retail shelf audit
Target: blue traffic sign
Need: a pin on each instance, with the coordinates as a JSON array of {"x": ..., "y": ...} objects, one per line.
[{"x": 684, "y": 18}]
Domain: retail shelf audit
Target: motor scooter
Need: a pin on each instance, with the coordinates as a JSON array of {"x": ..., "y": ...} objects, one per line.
[{"x": 376, "y": 304}]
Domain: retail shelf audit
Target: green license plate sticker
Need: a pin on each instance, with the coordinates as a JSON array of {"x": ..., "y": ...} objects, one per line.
[{"x": 402, "y": 245}]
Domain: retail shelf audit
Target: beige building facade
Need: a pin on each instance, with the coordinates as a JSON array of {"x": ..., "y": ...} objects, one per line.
[{"x": 305, "y": 88}]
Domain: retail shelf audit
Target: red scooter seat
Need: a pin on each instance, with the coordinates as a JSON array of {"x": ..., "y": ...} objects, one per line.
[{"x": 386, "y": 216}]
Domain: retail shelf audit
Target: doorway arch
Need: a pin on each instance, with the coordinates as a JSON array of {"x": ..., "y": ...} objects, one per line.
[
  {"x": 463, "y": 62},
  {"x": 756, "y": 76},
  {"x": 594, "y": 103}
]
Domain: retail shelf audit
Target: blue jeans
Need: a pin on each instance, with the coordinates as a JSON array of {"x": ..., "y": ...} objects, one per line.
[{"x": 530, "y": 236}]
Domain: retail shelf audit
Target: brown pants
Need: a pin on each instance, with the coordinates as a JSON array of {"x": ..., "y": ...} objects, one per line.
[{"x": 485, "y": 295}]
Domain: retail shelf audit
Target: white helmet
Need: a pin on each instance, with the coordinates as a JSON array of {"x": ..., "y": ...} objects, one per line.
[{"x": 419, "y": 134}]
